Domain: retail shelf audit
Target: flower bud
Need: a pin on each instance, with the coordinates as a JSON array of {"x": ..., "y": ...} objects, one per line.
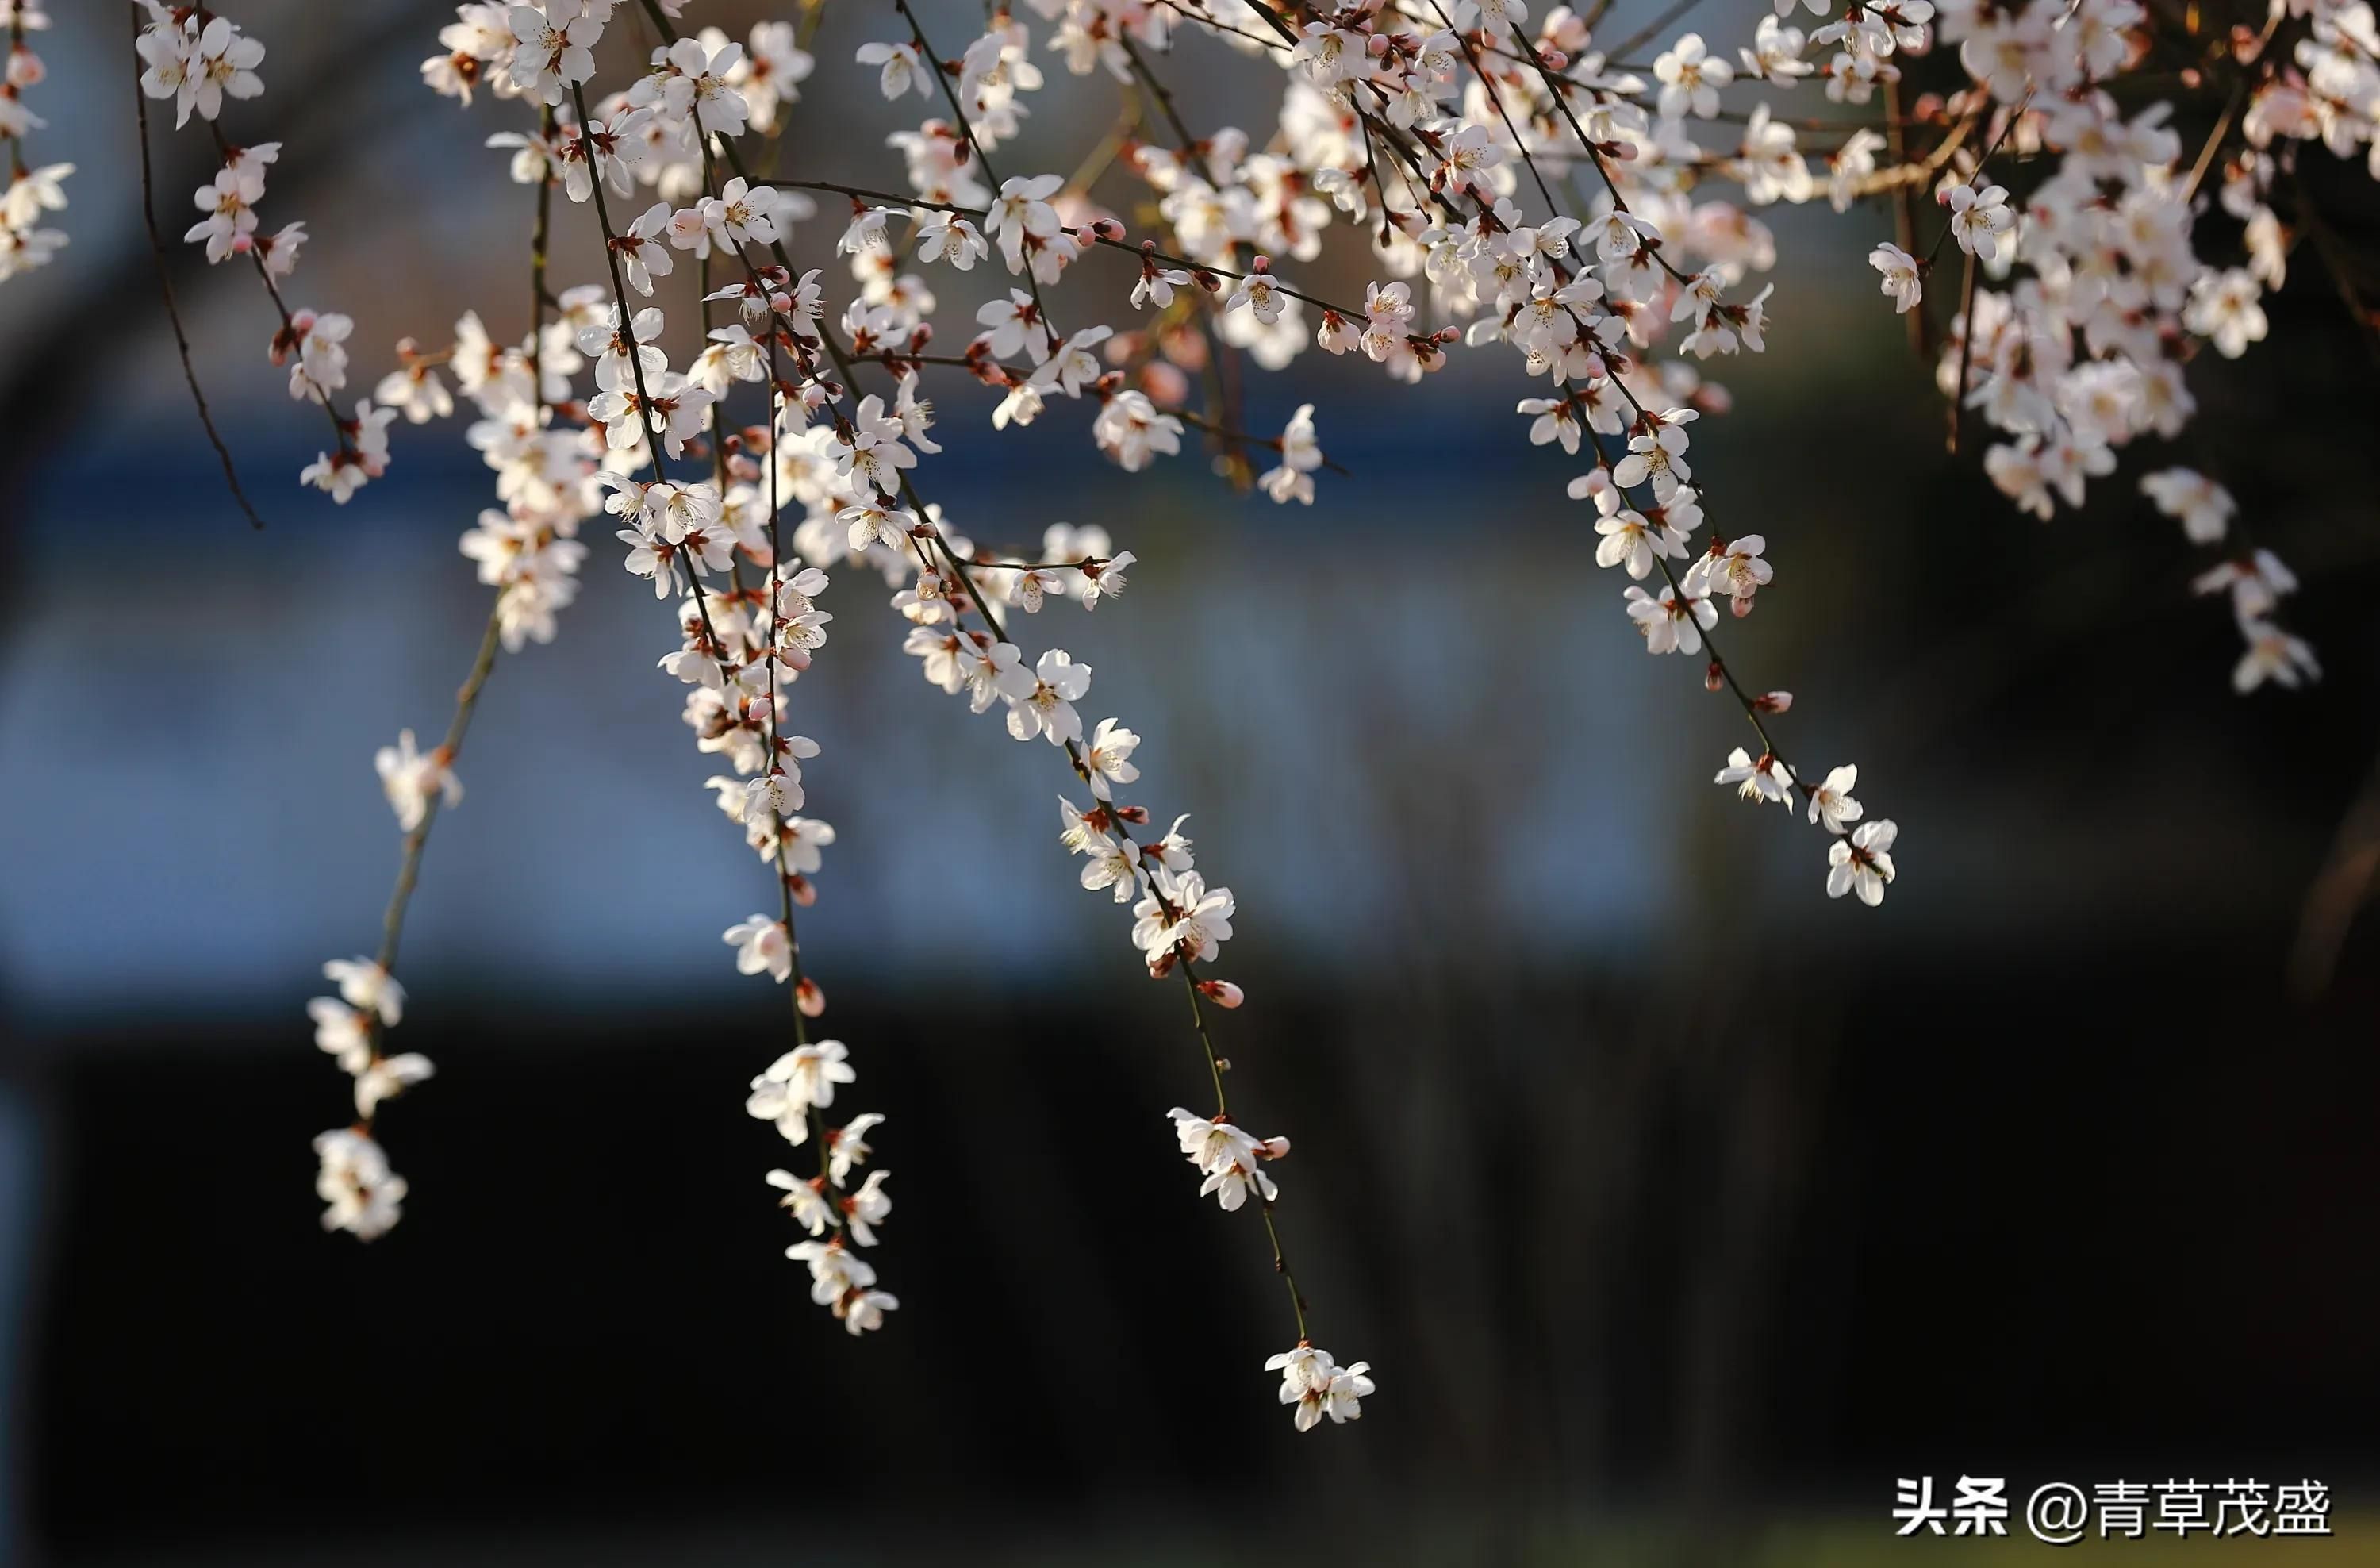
[{"x": 1165, "y": 384}]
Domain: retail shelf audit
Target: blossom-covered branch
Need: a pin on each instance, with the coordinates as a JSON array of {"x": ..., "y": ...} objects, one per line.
[
  {"x": 34, "y": 191},
  {"x": 1504, "y": 184},
  {"x": 529, "y": 551},
  {"x": 197, "y": 59}
]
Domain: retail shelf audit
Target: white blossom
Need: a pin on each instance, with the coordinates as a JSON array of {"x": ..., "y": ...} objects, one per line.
[
  {"x": 364, "y": 1196},
  {"x": 800, "y": 1080},
  {"x": 1862, "y": 862}
]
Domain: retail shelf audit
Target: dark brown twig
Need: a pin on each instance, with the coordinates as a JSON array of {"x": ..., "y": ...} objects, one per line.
[
  {"x": 1966, "y": 352},
  {"x": 165, "y": 286}
]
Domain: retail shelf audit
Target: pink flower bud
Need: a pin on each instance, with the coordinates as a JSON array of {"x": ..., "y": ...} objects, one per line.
[
  {"x": 1223, "y": 992},
  {"x": 1165, "y": 384}
]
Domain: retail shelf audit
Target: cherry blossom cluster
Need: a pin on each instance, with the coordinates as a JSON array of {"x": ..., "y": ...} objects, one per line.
[
  {"x": 740, "y": 650},
  {"x": 198, "y": 59},
  {"x": 1501, "y": 180},
  {"x": 1179, "y": 921},
  {"x": 848, "y": 460},
  {"x": 33, "y": 190},
  {"x": 956, "y": 596},
  {"x": 547, "y": 462},
  {"x": 1581, "y": 300},
  {"x": 742, "y": 643},
  {"x": 1319, "y": 1386},
  {"x": 739, "y": 653},
  {"x": 2085, "y": 350},
  {"x": 2252, "y": 579},
  {"x": 1432, "y": 127},
  {"x": 362, "y": 1194}
]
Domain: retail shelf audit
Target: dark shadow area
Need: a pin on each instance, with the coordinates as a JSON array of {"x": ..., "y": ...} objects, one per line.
[{"x": 2115, "y": 1214}]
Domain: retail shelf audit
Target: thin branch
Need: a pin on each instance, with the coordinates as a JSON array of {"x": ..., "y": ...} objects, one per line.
[
  {"x": 1967, "y": 353},
  {"x": 2252, "y": 56},
  {"x": 960, "y": 579},
  {"x": 166, "y": 282},
  {"x": 1164, "y": 95},
  {"x": 483, "y": 665},
  {"x": 1904, "y": 202}
]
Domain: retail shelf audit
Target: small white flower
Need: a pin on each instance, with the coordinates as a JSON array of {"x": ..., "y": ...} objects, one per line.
[
  {"x": 1107, "y": 757},
  {"x": 1181, "y": 918},
  {"x": 2205, "y": 508},
  {"x": 1231, "y": 1158},
  {"x": 796, "y": 1081},
  {"x": 1260, "y": 295},
  {"x": 1669, "y": 624},
  {"x": 868, "y": 1207},
  {"x": 847, "y": 1144},
  {"x": 366, "y": 985},
  {"x": 1863, "y": 862},
  {"x": 1732, "y": 570},
  {"x": 761, "y": 943},
  {"x": 1689, "y": 78},
  {"x": 862, "y": 1311},
  {"x": 2257, "y": 583},
  {"x": 1293, "y": 480},
  {"x": 363, "y": 1195},
  {"x": 902, "y": 71},
  {"x": 806, "y": 1198},
  {"x": 413, "y": 780},
  {"x": 341, "y": 1031},
  {"x": 1319, "y": 1386},
  {"x": 2273, "y": 655},
  {"x": 1903, "y": 284},
  {"x": 1832, "y": 803},
  {"x": 1760, "y": 781},
  {"x": 1978, "y": 219},
  {"x": 2224, "y": 306},
  {"x": 1105, "y": 579},
  {"x": 1047, "y": 707},
  {"x": 946, "y": 237},
  {"x": 387, "y": 1076}
]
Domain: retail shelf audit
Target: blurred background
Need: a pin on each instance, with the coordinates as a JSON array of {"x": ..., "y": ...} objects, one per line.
[{"x": 1678, "y": 1209}]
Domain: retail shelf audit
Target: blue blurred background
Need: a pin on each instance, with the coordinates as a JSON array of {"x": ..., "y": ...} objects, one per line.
[{"x": 1679, "y": 1209}]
